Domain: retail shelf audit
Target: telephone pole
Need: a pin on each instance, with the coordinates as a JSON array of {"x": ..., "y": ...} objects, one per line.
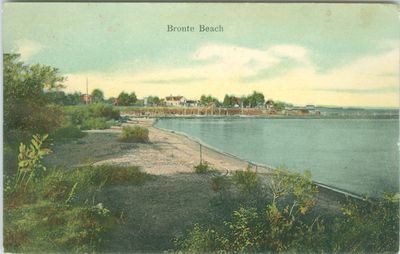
[{"x": 87, "y": 91}]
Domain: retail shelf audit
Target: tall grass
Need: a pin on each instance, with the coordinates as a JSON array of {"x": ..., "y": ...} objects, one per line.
[{"x": 134, "y": 134}]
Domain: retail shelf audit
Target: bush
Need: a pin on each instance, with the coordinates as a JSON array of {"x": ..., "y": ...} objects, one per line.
[
  {"x": 94, "y": 116},
  {"x": 67, "y": 132},
  {"x": 246, "y": 180},
  {"x": 219, "y": 182},
  {"x": 202, "y": 168},
  {"x": 287, "y": 223},
  {"x": 134, "y": 134},
  {"x": 95, "y": 124},
  {"x": 109, "y": 174}
]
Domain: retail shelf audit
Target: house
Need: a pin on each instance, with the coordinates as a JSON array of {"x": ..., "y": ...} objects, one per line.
[
  {"x": 192, "y": 103},
  {"x": 236, "y": 102},
  {"x": 175, "y": 100},
  {"x": 269, "y": 104},
  {"x": 86, "y": 98}
]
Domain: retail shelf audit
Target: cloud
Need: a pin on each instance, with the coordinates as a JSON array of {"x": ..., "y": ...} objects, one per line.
[
  {"x": 250, "y": 60},
  {"x": 173, "y": 81},
  {"x": 358, "y": 91},
  {"x": 282, "y": 72},
  {"x": 28, "y": 48}
]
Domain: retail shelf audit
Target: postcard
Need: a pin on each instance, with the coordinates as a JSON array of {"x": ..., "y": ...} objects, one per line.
[{"x": 201, "y": 127}]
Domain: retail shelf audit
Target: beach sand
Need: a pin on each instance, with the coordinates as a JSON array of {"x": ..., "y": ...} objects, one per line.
[{"x": 169, "y": 153}]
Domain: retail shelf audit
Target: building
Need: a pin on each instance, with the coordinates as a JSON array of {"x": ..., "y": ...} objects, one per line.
[
  {"x": 192, "y": 103},
  {"x": 175, "y": 100},
  {"x": 86, "y": 98},
  {"x": 269, "y": 104}
]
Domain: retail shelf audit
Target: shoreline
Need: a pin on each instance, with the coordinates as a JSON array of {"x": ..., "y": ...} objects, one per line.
[
  {"x": 269, "y": 169},
  {"x": 160, "y": 157}
]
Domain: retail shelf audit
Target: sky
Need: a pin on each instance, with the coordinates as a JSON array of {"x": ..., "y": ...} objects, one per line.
[{"x": 323, "y": 54}]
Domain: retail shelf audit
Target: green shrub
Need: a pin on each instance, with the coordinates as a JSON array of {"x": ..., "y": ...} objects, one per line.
[
  {"x": 67, "y": 132},
  {"x": 246, "y": 180},
  {"x": 199, "y": 240},
  {"x": 56, "y": 227},
  {"x": 219, "y": 182},
  {"x": 202, "y": 168},
  {"x": 287, "y": 223},
  {"x": 134, "y": 134},
  {"x": 95, "y": 124},
  {"x": 94, "y": 116}
]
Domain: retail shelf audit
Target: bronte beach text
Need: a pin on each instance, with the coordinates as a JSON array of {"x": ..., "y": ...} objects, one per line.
[{"x": 200, "y": 28}]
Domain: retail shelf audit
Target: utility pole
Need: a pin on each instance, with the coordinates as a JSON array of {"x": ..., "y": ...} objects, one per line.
[{"x": 87, "y": 91}]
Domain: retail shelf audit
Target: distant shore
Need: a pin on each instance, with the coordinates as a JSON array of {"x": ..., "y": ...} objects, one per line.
[{"x": 215, "y": 112}]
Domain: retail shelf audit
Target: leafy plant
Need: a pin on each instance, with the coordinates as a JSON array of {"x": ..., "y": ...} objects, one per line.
[
  {"x": 29, "y": 160},
  {"x": 134, "y": 134},
  {"x": 202, "y": 168},
  {"x": 246, "y": 180},
  {"x": 98, "y": 123}
]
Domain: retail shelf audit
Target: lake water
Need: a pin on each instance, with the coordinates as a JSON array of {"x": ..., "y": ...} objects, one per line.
[{"x": 357, "y": 155}]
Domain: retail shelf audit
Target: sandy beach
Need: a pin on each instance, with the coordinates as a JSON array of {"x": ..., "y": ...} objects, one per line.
[{"x": 169, "y": 153}]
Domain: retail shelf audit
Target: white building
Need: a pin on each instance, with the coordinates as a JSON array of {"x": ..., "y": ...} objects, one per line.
[{"x": 175, "y": 100}]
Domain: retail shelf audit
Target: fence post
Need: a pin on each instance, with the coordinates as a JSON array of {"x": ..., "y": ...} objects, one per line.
[{"x": 201, "y": 155}]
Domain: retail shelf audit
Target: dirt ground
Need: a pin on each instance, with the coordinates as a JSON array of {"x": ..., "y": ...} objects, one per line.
[{"x": 151, "y": 214}]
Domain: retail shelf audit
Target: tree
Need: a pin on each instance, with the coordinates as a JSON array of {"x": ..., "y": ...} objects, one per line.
[
  {"x": 256, "y": 99},
  {"x": 97, "y": 96},
  {"x": 73, "y": 98},
  {"x": 125, "y": 99},
  {"x": 279, "y": 106},
  {"x": 228, "y": 101},
  {"x": 207, "y": 100},
  {"x": 153, "y": 100},
  {"x": 133, "y": 98},
  {"x": 26, "y": 100}
]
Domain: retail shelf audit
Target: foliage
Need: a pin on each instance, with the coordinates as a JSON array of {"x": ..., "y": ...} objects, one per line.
[
  {"x": 368, "y": 225},
  {"x": 279, "y": 106},
  {"x": 153, "y": 100},
  {"x": 208, "y": 100},
  {"x": 199, "y": 240},
  {"x": 219, "y": 183},
  {"x": 25, "y": 100},
  {"x": 246, "y": 180},
  {"x": 92, "y": 123},
  {"x": 68, "y": 131},
  {"x": 125, "y": 99},
  {"x": 202, "y": 168},
  {"x": 97, "y": 96},
  {"x": 59, "y": 212},
  {"x": 134, "y": 134},
  {"x": 288, "y": 222},
  {"x": 29, "y": 161},
  {"x": 94, "y": 116},
  {"x": 256, "y": 99}
]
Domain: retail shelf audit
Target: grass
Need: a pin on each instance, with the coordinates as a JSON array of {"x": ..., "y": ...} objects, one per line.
[
  {"x": 60, "y": 210},
  {"x": 134, "y": 134},
  {"x": 203, "y": 168},
  {"x": 95, "y": 123},
  {"x": 67, "y": 132}
]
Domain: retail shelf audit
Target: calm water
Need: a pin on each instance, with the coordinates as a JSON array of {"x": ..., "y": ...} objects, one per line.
[{"x": 358, "y": 155}]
